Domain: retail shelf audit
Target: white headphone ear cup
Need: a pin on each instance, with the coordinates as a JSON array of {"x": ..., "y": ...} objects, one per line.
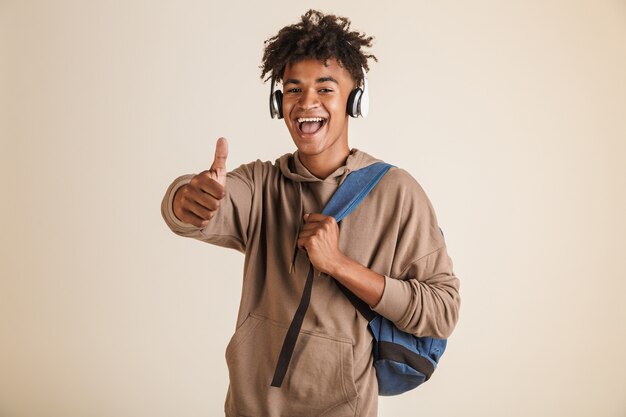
[
  {"x": 279, "y": 103},
  {"x": 364, "y": 104},
  {"x": 276, "y": 101},
  {"x": 276, "y": 104},
  {"x": 272, "y": 105},
  {"x": 353, "y": 102}
]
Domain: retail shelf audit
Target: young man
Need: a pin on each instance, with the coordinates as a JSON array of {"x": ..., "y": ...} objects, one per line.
[{"x": 389, "y": 251}]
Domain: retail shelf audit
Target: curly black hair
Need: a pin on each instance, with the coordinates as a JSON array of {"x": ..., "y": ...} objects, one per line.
[{"x": 317, "y": 36}]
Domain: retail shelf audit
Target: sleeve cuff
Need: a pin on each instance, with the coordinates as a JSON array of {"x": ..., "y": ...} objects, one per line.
[
  {"x": 391, "y": 305},
  {"x": 167, "y": 209}
]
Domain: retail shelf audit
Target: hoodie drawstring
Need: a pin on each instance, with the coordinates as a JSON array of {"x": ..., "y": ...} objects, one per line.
[{"x": 292, "y": 267}]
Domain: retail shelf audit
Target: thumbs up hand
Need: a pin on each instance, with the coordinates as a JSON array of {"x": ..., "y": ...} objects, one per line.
[{"x": 197, "y": 202}]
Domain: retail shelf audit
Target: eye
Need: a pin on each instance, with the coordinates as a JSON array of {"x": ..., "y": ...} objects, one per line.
[
  {"x": 294, "y": 90},
  {"x": 326, "y": 90}
]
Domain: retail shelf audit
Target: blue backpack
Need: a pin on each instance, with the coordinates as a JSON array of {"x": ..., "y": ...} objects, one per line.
[{"x": 402, "y": 360}]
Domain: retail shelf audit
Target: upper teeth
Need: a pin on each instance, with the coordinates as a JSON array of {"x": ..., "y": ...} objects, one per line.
[{"x": 309, "y": 119}]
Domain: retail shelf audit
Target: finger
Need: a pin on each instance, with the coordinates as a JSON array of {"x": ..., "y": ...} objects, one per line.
[
  {"x": 199, "y": 210},
  {"x": 191, "y": 218},
  {"x": 208, "y": 201},
  {"x": 193, "y": 197},
  {"x": 315, "y": 217},
  {"x": 319, "y": 221},
  {"x": 310, "y": 226},
  {"x": 307, "y": 233},
  {"x": 303, "y": 243},
  {"x": 221, "y": 153},
  {"x": 209, "y": 184}
]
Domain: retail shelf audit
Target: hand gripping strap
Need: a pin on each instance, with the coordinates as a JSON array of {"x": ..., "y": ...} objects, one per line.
[{"x": 350, "y": 193}]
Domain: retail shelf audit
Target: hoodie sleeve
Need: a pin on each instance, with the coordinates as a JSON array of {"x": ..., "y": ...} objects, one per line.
[
  {"x": 421, "y": 294},
  {"x": 229, "y": 227}
]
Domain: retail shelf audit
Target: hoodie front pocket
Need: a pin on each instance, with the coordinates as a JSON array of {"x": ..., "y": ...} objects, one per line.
[{"x": 319, "y": 380}]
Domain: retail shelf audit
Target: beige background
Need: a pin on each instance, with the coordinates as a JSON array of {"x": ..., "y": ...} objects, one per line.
[{"x": 511, "y": 114}]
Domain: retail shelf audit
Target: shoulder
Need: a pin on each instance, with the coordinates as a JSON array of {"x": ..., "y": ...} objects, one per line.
[
  {"x": 398, "y": 181},
  {"x": 253, "y": 170},
  {"x": 399, "y": 176},
  {"x": 396, "y": 178},
  {"x": 251, "y": 175},
  {"x": 402, "y": 191},
  {"x": 254, "y": 166}
]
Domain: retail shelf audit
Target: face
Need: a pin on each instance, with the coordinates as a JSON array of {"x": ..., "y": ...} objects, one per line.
[{"x": 315, "y": 97}]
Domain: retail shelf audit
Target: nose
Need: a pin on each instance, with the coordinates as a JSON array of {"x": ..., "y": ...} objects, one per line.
[{"x": 308, "y": 99}]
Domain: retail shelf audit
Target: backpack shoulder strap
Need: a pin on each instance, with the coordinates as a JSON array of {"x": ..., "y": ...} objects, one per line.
[
  {"x": 350, "y": 193},
  {"x": 354, "y": 189},
  {"x": 345, "y": 199}
]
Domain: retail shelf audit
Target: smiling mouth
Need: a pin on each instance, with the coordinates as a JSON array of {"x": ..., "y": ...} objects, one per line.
[{"x": 310, "y": 125}]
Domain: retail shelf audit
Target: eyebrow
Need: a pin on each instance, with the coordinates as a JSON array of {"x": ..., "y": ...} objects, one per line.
[{"x": 318, "y": 81}]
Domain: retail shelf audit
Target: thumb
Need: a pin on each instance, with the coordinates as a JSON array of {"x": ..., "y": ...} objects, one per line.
[
  {"x": 221, "y": 153},
  {"x": 219, "y": 161}
]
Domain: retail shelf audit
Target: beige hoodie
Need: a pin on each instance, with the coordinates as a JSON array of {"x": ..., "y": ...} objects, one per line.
[{"x": 394, "y": 232}]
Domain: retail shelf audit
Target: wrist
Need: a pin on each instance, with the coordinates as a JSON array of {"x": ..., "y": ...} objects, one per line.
[{"x": 338, "y": 267}]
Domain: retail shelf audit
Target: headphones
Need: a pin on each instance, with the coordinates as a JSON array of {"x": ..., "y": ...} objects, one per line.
[
  {"x": 276, "y": 101},
  {"x": 358, "y": 100}
]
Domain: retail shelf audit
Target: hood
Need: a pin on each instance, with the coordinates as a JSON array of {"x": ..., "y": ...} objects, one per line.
[{"x": 292, "y": 168}]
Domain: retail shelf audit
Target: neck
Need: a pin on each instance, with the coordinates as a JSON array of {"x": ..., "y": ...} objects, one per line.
[{"x": 322, "y": 165}]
